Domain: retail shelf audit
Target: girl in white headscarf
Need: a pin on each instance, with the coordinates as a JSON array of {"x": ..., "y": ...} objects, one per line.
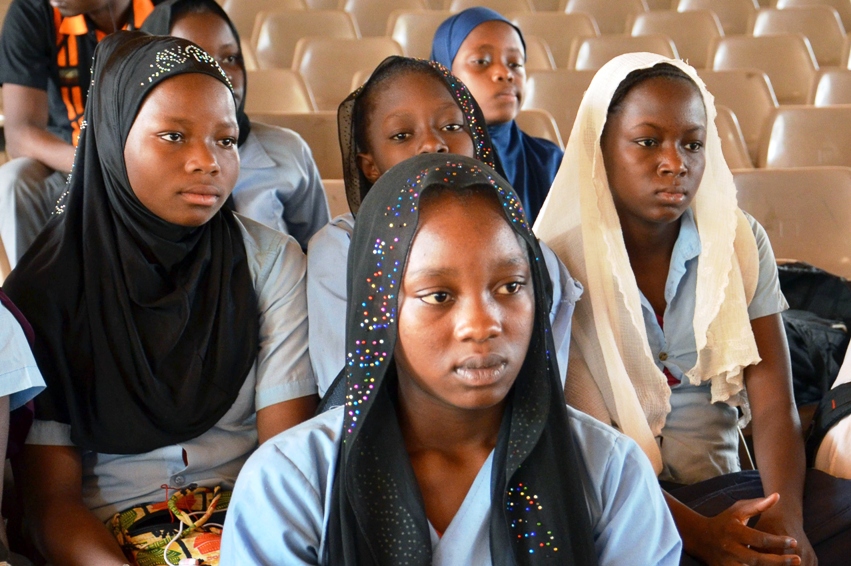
[{"x": 679, "y": 339}]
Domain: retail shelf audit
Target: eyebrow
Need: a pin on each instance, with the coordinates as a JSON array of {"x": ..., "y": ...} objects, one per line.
[
  {"x": 437, "y": 272},
  {"x": 404, "y": 113},
  {"x": 186, "y": 122},
  {"x": 694, "y": 128}
]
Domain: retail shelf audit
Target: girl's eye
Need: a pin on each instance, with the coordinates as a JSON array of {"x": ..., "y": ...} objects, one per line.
[
  {"x": 228, "y": 142},
  {"x": 229, "y": 60},
  {"x": 172, "y": 136},
  {"x": 516, "y": 65},
  {"x": 453, "y": 127},
  {"x": 511, "y": 288},
  {"x": 646, "y": 143},
  {"x": 438, "y": 298},
  {"x": 401, "y": 136},
  {"x": 694, "y": 146},
  {"x": 481, "y": 62}
]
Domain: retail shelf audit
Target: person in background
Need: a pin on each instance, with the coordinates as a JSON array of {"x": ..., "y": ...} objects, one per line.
[
  {"x": 487, "y": 52},
  {"x": 279, "y": 184},
  {"x": 45, "y": 62}
]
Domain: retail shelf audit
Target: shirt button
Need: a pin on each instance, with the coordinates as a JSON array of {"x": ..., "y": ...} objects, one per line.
[
  {"x": 663, "y": 356},
  {"x": 179, "y": 480}
]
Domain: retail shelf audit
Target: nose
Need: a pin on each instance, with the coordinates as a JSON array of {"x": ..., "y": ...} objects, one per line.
[
  {"x": 672, "y": 162},
  {"x": 477, "y": 320},
  {"x": 202, "y": 159},
  {"x": 432, "y": 142},
  {"x": 501, "y": 72}
]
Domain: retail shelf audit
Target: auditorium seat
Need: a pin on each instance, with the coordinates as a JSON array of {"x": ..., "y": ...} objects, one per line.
[
  {"x": 806, "y": 212},
  {"x": 734, "y": 15},
  {"x": 611, "y": 16},
  {"x": 335, "y": 192},
  {"x": 558, "y": 30},
  {"x": 559, "y": 93},
  {"x": 243, "y": 13},
  {"x": 319, "y": 130},
  {"x": 692, "y": 32},
  {"x": 591, "y": 53},
  {"x": 833, "y": 87},
  {"x": 324, "y": 4},
  {"x": 538, "y": 55},
  {"x": 278, "y": 32},
  {"x": 540, "y": 124},
  {"x": 819, "y": 24},
  {"x": 732, "y": 142},
  {"x": 414, "y": 30},
  {"x": 371, "y": 16},
  {"x": 277, "y": 90},
  {"x": 748, "y": 93},
  {"x": 843, "y": 7},
  {"x": 501, "y": 6},
  {"x": 799, "y": 136},
  {"x": 786, "y": 58},
  {"x": 328, "y": 64}
]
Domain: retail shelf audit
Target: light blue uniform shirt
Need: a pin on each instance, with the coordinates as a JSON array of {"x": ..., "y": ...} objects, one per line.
[
  {"x": 283, "y": 499},
  {"x": 20, "y": 378},
  {"x": 279, "y": 184},
  {"x": 700, "y": 439},
  {"x": 115, "y": 482},
  {"x": 327, "y": 260}
]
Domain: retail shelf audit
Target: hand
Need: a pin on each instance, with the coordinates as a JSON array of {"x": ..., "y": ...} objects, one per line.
[
  {"x": 727, "y": 540},
  {"x": 778, "y": 522}
]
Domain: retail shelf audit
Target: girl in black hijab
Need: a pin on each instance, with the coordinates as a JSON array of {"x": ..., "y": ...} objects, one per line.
[
  {"x": 454, "y": 445},
  {"x": 171, "y": 332}
]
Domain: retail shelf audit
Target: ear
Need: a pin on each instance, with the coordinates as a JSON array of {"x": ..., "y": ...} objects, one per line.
[{"x": 366, "y": 163}]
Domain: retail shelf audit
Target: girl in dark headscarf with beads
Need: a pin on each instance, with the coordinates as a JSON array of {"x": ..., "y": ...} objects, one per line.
[
  {"x": 171, "y": 332},
  {"x": 408, "y": 106},
  {"x": 454, "y": 445}
]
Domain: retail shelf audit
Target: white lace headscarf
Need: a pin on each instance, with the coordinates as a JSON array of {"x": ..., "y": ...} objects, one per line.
[{"x": 611, "y": 373}]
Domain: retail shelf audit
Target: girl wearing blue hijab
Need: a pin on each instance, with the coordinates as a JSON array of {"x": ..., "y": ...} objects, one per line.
[{"x": 487, "y": 52}]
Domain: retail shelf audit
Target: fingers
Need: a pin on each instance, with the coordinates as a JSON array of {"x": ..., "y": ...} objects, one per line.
[
  {"x": 747, "y": 508},
  {"x": 754, "y": 558}
]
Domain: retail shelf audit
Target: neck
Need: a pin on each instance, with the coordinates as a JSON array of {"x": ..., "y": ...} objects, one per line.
[
  {"x": 645, "y": 240},
  {"x": 428, "y": 425},
  {"x": 111, "y": 17}
]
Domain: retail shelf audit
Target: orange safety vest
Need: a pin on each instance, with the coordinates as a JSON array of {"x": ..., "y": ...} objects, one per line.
[{"x": 68, "y": 30}]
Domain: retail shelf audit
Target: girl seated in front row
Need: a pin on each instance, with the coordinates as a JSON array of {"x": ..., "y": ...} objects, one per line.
[
  {"x": 454, "y": 445},
  {"x": 681, "y": 327},
  {"x": 278, "y": 183},
  {"x": 488, "y": 53},
  {"x": 408, "y": 106},
  {"x": 172, "y": 333}
]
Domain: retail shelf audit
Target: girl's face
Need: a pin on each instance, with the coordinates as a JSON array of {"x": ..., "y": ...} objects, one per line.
[
  {"x": 653, "y": 150},
  {"x": 466, "y": 306},
  {"x": 491, "y": 63},
  {"x": 180, "y": 153},
  {"x": 413, "y": 113},
  {"x": 212, "y": 34}
]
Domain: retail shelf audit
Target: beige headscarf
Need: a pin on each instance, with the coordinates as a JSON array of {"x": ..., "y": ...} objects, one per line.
[{"x": 611, "y": 372}]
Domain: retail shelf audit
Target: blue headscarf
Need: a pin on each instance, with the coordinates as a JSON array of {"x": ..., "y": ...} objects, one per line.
[{"x": 530, "y": 163}]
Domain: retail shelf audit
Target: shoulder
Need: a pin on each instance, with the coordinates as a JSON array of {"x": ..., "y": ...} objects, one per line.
[
  {"x": 276, "y": 139},
  {"x": 337, "y": 234},
  {"x": 268, "y": 251},
  {"x": 41, "y": 10}
]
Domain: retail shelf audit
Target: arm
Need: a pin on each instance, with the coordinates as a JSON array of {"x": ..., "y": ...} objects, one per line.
[
  {"x": 281, "y": 416},
  {"x": 26, "y": 113},
  {"x": 64, "y": 529},
  {"x": 778, "y": 443},
  {"x": 4, "y": 435},
  {"x": 306, "y": 210}
]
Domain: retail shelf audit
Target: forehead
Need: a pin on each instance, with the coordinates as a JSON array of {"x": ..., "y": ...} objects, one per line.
[
  {"x": 190, "y": 95},
  {"x": 663, "y": 99},
  {"x": 494, "y": 34},
  {"x": 416, "y": 91},
  {"x": 202, "y": 27}
]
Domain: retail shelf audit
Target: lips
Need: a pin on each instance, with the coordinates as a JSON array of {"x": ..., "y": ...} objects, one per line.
[
  {"x": 481, "y": 369},
  {"x": 507, "y": 93},
  {"x": 672, "y": 195},
  {"x": 202, "y": 195}
]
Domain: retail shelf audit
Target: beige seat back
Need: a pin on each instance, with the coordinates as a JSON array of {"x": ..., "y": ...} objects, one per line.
[
  {"x": 319, "y": 130},
  {"x": 591, "y": 53},
  {"x": 501, "y": 6},
  {"x": 692, "y": 32},
  {"x": 243, "y": 13},
  {"x": 277, "y": 90},
  {"x": 558, "y": 30},
  {"x": 734, "y": 15},
  {"x": 806, "y": 212},
  {"x": 748, "y": 93},
  {"x": 559, "y": 93},
  {"x": 611, "y": 15},
  {"x": 278, "y": 33},
  {"x": 324, "y": 4},
  {"x": 833, "y": 87},
  {"x": 819, "y": 24},
  {"x": 842, "y": 7},
  {"x": 371, "y": 16},
  {"x": 414, "y": 30},
  {"x": 335, "y": 192},
  {"x": 540, "y": 124},
  {"x": 799, "y": 136},
  {"x": 786, "y": 58},
  {"x": 732, "y": 142},
  {"x": 5, "y": 268},
  {"x": 538, "y": 55}
]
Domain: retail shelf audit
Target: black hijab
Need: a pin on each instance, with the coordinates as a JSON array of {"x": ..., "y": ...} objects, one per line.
[
  {"x": 160, "y": 22},
  {"x": 377, "y": 514},
  {"x": 145, "y": 330},
  {"x": 349, "y": 122}
]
